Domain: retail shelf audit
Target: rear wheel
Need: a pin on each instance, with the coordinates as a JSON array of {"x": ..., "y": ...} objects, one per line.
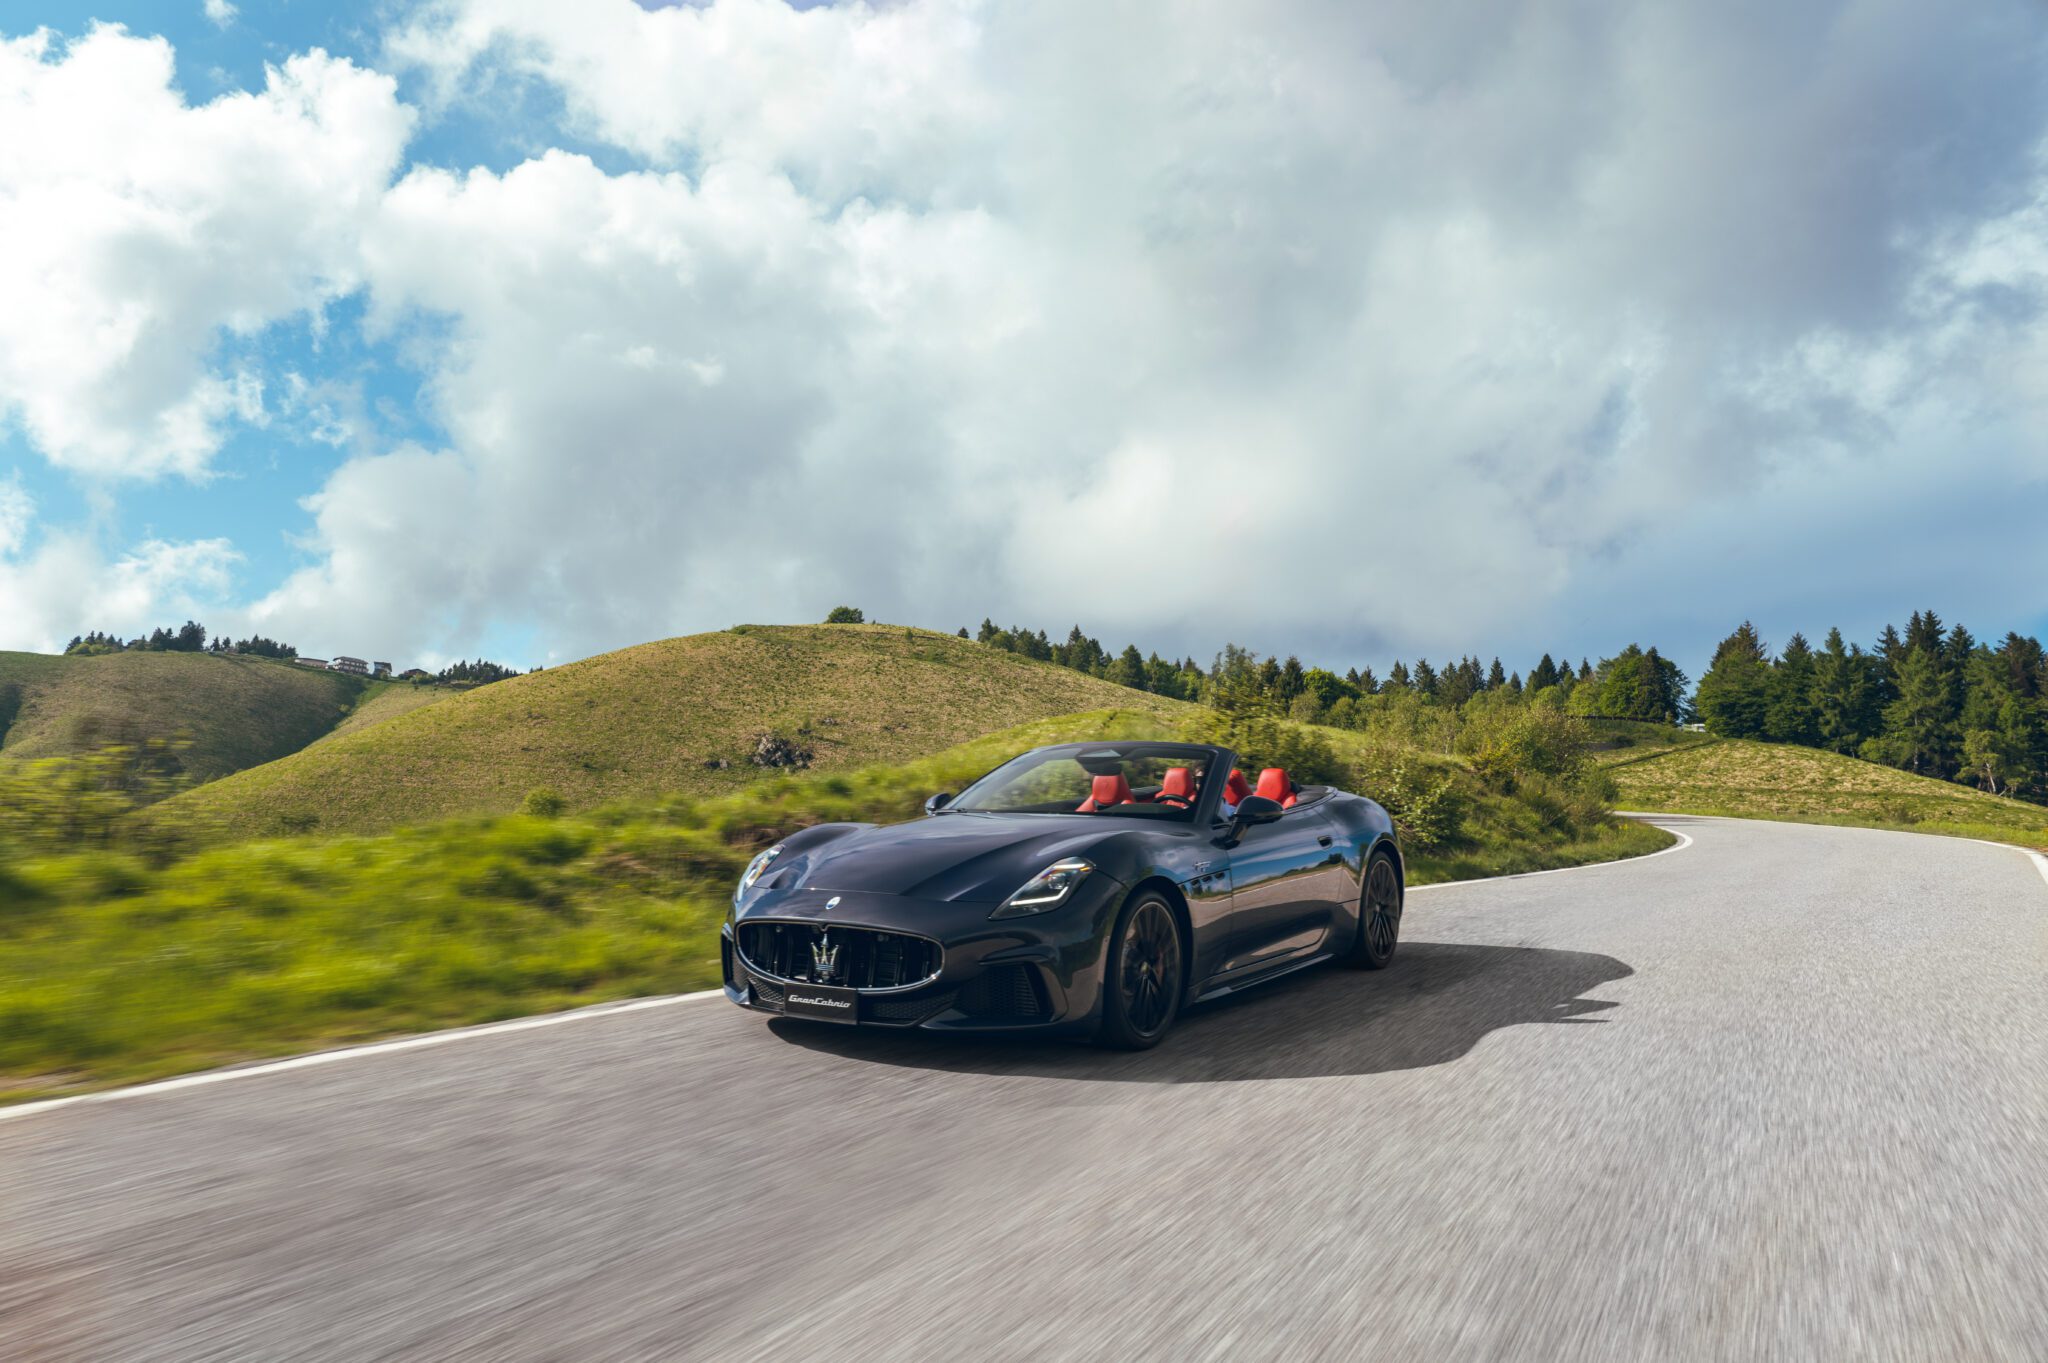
[
  {"x": 1379, "y": 914},
  {"x": 1141, "y": 986}
]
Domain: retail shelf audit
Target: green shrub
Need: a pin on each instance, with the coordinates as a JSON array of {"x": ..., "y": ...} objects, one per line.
[{"x": 542, "y": 803}]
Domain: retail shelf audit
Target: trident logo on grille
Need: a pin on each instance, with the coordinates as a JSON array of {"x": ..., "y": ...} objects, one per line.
[{"x": 824, "y": 958}]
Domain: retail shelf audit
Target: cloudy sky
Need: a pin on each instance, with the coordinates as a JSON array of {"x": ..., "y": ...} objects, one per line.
[{"x": 535, "y": 329}]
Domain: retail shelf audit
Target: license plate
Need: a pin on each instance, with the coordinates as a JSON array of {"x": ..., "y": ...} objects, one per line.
[{"x": 823, "y": 1002}]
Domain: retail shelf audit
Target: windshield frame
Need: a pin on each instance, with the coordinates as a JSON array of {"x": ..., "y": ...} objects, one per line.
[{"x": 1215, "y": 760}]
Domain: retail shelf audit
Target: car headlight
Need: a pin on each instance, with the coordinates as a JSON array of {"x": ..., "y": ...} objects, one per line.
[
  {"x": 1047, "y": 890},
  {"x": 756, "y": 868}
]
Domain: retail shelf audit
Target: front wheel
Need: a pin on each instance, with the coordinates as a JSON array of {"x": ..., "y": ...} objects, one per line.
[
  {"x": 1141, "y": 983},
  {"x": 1379, "y": 914}
]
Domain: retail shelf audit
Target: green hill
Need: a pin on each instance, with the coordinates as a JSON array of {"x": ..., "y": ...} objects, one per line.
[
  {"x": 1806, "y": 785},
  {"x": 236, "y": 712},
  {"x": 680, "y": 715}
]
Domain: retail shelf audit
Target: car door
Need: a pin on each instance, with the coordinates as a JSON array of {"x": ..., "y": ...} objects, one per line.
[{"x": 1288, "y": 883}]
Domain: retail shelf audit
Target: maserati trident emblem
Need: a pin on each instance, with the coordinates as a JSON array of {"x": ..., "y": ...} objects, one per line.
[{"x": 824, "y": 958}]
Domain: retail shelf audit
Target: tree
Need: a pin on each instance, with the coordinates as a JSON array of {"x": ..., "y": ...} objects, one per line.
[
  {"x": 1367, "y": 683},
  {"x": 1844, "y": 695},
  {"x": 1291, "y": 675},
  {"x": 1129, "y": 668},
  {"x": 1640, "y": 685},
  {"x": 1543, "y": 674},
  {"x": 1425, "y": 678},
  {"x": 846, "y": 615},
  {"x": 1790, "y": 715},
  {"x": 1920, "y": 725},
  {"x": 1734, "y": 696},
  {"x": 1496, "y": 677}
]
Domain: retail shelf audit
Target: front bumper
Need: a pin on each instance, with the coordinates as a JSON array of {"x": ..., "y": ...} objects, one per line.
[{"x": 1036, "y": 974}]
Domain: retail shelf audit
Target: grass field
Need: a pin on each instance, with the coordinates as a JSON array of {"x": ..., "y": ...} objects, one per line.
[
  {"x": 653, "y": 720},
  {"x": 115, "y": 969},
  {"x": 387, "y": 700},
  {"x": 236, "y": 712},
  {"x": 1804, "y": 785}
]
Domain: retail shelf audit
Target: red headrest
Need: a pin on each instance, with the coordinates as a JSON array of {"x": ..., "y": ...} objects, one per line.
[
  {"x": 1274, "y": 785},
  {"x": 1235, "y": 789},
  {"x": 1178, "y": 781},
  {"x": 1107, "y": 790}
]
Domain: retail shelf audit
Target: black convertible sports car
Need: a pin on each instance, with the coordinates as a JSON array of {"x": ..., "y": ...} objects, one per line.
[{"x": 1092, "y": 888}]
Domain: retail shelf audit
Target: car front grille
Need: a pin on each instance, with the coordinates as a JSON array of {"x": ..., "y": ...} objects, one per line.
[{"x": 868, "y": 958}]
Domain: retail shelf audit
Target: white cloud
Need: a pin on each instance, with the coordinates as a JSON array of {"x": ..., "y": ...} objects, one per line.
[
  {"x": 68, "y": 584},
  {"x": 219, "y": 12},
  {"x": 1337, "y": 327},
  {"x": 139, "y": 229},
  {"x": 1344, "y": 329}
]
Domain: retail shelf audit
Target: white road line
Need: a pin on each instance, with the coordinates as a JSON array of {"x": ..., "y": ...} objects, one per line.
[
  {"x": 302, "y": 1062},
  {"x": 1683, "y": 842}
]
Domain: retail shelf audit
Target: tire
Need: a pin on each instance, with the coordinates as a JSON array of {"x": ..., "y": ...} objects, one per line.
[
  {"x": 1379, "y": 914},
  {"x": 1141, "y": 978}
]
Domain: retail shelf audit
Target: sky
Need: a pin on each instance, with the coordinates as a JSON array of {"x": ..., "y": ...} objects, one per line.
[{"x": 526, "y": 330}]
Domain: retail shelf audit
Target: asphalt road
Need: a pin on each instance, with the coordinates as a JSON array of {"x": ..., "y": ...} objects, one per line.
[{"x": 1783, "y": 1094}]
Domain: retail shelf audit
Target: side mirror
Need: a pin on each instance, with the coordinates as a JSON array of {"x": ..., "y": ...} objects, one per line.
[
  {"x": 1257, "y": 809},
  {"x": 944, "y": 798}
]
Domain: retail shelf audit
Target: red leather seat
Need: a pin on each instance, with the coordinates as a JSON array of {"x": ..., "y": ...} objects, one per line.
[
  {"x": 1107, "y": 790},
  {"x": 1178, "y": 785},
  {"x": 1274, "y": 785},
  {"x": 1236, "y": 788}
]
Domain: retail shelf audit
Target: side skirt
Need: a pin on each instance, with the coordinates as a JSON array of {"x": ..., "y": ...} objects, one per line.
[{"x": 1263, "y": 977}]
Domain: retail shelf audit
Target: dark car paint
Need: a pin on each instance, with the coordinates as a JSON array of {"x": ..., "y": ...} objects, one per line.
[{"x": 1278, "y": 899}]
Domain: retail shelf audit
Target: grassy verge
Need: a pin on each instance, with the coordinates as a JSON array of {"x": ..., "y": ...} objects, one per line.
[
  {"x": 1743, "y": 779},
  {"x": 114, "y": 968}
]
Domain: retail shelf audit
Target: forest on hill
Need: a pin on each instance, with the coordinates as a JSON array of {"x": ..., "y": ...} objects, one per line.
[{"x": 1930, "y": 699}]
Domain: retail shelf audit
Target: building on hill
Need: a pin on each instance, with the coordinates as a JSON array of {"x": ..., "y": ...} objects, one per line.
[
  {"x": 311, "y": 662},
  {"x": 355, "y": 667},
  {"x": 380, "y": 669},
  {"x": 416, "y": 674}
]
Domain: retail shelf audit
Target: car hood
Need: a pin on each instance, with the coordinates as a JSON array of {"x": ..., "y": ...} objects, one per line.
[{"x": 973, "y": 858}]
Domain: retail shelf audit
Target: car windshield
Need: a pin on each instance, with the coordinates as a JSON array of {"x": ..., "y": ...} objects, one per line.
[{"x": 1130, "y": 780}]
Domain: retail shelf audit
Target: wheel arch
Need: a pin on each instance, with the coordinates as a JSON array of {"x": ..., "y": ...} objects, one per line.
[{"x": 1178, "y": 902}]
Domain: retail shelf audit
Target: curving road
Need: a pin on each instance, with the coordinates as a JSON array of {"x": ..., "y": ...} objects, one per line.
[{"x": 1783, "y": 1094}]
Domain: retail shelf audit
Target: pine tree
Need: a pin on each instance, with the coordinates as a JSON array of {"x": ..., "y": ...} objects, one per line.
[
  {"x": 1842, "y": 698},
  {"x": 1790, "y": 715},
  {"x": 1397, "y": 677},
  {"x": 1543, "y": 674},
  {"x": 1734, "y": 695},
  {"x": 1291, "y": 679},
  {"x": 1425, "y": 678},
  {"x": 1367, "y": 683},
  {"x": 1920, "y": 725},
  {"x": 1496, "y": 677},
  {"x": 1129, "y": 668}
]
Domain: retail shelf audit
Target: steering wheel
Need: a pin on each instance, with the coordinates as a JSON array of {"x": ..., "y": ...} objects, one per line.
[{"x": 1184, "y": 801}]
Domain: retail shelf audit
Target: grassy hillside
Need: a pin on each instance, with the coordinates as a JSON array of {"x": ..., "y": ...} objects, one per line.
[
  {"x": 387, "y": 700},
  {"x": 113, "y": 967},
  {"x": 656, "y": 719},
  {"x": 237, "y": 712},
  {"x": 1779, "y": 781},
  {"x": 1616, "y": 741}
]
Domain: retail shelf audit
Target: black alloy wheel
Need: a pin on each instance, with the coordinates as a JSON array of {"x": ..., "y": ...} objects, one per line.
[
  {"x": 1142, "y": 988},
  {"x": 1379, "y": 914}
]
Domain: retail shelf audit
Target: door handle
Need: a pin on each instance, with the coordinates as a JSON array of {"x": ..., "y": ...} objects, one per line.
[{"x": 1323, "y": 841}]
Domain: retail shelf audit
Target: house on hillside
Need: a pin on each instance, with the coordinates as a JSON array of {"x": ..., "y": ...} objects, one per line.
[
  {"x": 355, "y": 667},
  {"x": 311, "y": 662},
  {"x": 416, "y": 674},
  {"x": 380, "y": 669}
]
